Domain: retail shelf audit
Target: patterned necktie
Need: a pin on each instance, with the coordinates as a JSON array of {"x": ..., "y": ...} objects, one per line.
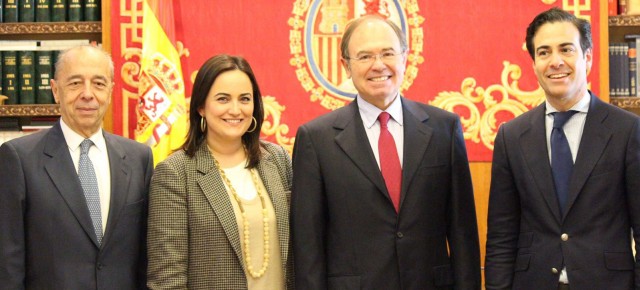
[
  {"x": 389, "y": 161},
  {"x": 89, "y": 183},
  {"x": 561, "y": 158}
]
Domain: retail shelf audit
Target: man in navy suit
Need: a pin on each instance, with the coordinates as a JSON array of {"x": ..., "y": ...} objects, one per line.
[
  {"x": 555, "y": 224},
  {"x": 51, "y": 235},
  {"x": 356, "y": 227}
]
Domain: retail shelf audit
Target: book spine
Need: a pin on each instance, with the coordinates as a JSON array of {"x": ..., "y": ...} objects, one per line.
[
  {"x": 26, "y": 76},
  {"x": 10, "y": 77},
  {"x": 43, "y": 11},
  {"x": 618, "y": 79},
  {"x": 618, "y": 63},
  {"x": 9, "y": 124},
  {"x": 612, "y": 7},
  {"x": 625, "y": 69},
  {"x": 622, "y": 7},
  {"x": 91, "y": 10},
  {"x": 637, "y": 41},
  {"x": 43, "y": 77},
  {"x": 10, "y": 10},
  {"x": 633, "y": 67},
  {"x": 27, "y": 11},
  {"x": 74, "y": 10},
  {"x": 59, "y": 10},
  {"x": 1, "y": 76},
  {"x": 612, "y": 70}
]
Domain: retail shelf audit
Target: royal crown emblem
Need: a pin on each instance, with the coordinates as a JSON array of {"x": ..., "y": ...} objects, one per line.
[{"x": 158, "y": 83}]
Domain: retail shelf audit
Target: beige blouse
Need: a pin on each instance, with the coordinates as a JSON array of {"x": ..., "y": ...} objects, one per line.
[{"x": 241, "y": 180}]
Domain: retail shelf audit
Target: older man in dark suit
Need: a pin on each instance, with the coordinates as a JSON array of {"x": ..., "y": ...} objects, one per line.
[
  {"x": 565, "y": 188},
  {"x": 367, "y": 215},
  {"x": 73, "y": 198}
]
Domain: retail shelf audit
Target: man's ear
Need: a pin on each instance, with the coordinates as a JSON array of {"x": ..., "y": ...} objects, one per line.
[
  {"x": 588, "y": 55},
  {"x": 54, "y": 90},
  {"x": 346, "y": 66}
]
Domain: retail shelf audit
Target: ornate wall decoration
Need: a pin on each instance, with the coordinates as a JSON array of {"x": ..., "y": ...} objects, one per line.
[{"x": 481, "y": 126}]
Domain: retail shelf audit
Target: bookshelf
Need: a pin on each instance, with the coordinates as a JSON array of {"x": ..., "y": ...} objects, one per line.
[
  {"x": 49, "y": 30},
  {"x": 618, "y": 27},
  {"x": 29, "y": 110}
]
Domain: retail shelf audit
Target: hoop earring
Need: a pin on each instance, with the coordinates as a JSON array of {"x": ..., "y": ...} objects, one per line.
[
  {"x": 203, "y": 125},
  {"x": 255, "y": 124}
]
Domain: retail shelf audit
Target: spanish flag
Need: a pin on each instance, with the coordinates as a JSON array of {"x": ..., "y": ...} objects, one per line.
[{"x": 161, "y": 111}]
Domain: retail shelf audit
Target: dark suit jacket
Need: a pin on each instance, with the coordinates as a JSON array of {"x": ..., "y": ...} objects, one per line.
[
  {"x": 346, "y": 233},
  {"x": 46, "y": 235},
  {"x": 526, "y": 233}
]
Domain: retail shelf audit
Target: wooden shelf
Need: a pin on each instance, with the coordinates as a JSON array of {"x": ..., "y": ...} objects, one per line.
[
  {"x": 624, "y": 20},
  {"x": 29, "y": 110},
  {"x": 21, "y": 28},
  {"x": 626, "y": 102},
  {"x": 619, "y": 26}
]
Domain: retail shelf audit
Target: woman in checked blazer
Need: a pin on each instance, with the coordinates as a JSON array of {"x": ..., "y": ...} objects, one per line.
[{"x": 219, "y": 207}]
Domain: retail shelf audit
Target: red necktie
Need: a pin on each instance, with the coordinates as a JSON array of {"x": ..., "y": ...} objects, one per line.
[{"x": 389, "y": 161}]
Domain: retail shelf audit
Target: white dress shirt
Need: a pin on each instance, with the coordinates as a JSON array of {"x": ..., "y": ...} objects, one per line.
[
  {"x": 369, "y": 114},
  {"x": 573, "y": 129},
  {"x": 100, "y": 160}
]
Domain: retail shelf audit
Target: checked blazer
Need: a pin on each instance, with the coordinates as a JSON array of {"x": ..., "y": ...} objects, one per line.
[{"x": 193, "y": 237}]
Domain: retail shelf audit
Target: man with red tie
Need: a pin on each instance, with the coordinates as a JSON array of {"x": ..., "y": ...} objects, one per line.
[{"x": 382, "y": 195}]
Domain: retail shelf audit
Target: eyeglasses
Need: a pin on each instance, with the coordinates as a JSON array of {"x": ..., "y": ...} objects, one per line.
[{"x": 386, "y": 57}]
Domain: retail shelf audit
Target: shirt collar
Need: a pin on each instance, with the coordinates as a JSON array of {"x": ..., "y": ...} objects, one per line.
[
  {"x": 74, "y": 139},
  {"x": 370, "y": 113},
  {"x": 580, "y": 106}
]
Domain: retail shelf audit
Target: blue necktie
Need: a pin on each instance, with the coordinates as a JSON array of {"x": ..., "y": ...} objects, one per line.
[
  {"x": 89, "y": 183},
  {"x": 561, "y": 159}
]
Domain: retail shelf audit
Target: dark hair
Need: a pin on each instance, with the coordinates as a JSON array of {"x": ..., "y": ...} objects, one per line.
[
  {"x": 558, "y": 15},
  {"x": 205, "y": 78},
  {"x": 351, "y": 26}
]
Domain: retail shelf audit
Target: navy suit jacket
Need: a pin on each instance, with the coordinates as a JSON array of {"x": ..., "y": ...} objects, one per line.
[
  {"x": 346, "y": 232},
  {"x": 529, "y": 240},
  {"x": 46, "y": 234}
]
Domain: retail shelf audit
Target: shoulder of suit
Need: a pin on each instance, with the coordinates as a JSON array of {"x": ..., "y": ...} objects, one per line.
[
  {"x": 30, "y": 141},
  {"x": 325, "y": 121},
  {"x": 271, "y": 147},
  {"x": 124, "y": 141},
  {"x": 418, "y": 108},
  {"x": 618, "y": 112},
  {"x": 272, "y": 150}
]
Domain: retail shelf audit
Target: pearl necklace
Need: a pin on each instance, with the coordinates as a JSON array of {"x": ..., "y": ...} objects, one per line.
[{"x": 245, "y": 222}]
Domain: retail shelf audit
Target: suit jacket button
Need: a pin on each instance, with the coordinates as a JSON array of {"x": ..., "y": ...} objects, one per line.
[
  {"x": 554, "y": 270},
  {"x": 399, "y": 234},
  {"x": 99, "y": 266},
  {"x": 564, "y": 237}
]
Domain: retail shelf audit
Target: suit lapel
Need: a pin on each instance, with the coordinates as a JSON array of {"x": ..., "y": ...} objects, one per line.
[
  {"x": 213, "y": 189},
  {"x": 352, "y": 139},
  {"x": 533, "y": 143},
  {"x": 62, "y": 172},
  {"x": 120, "y": 175},
  {"x": 268, "y": 170},
  {"x": 416, "y": 140},
  {"x": 594, "y": 140}
]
